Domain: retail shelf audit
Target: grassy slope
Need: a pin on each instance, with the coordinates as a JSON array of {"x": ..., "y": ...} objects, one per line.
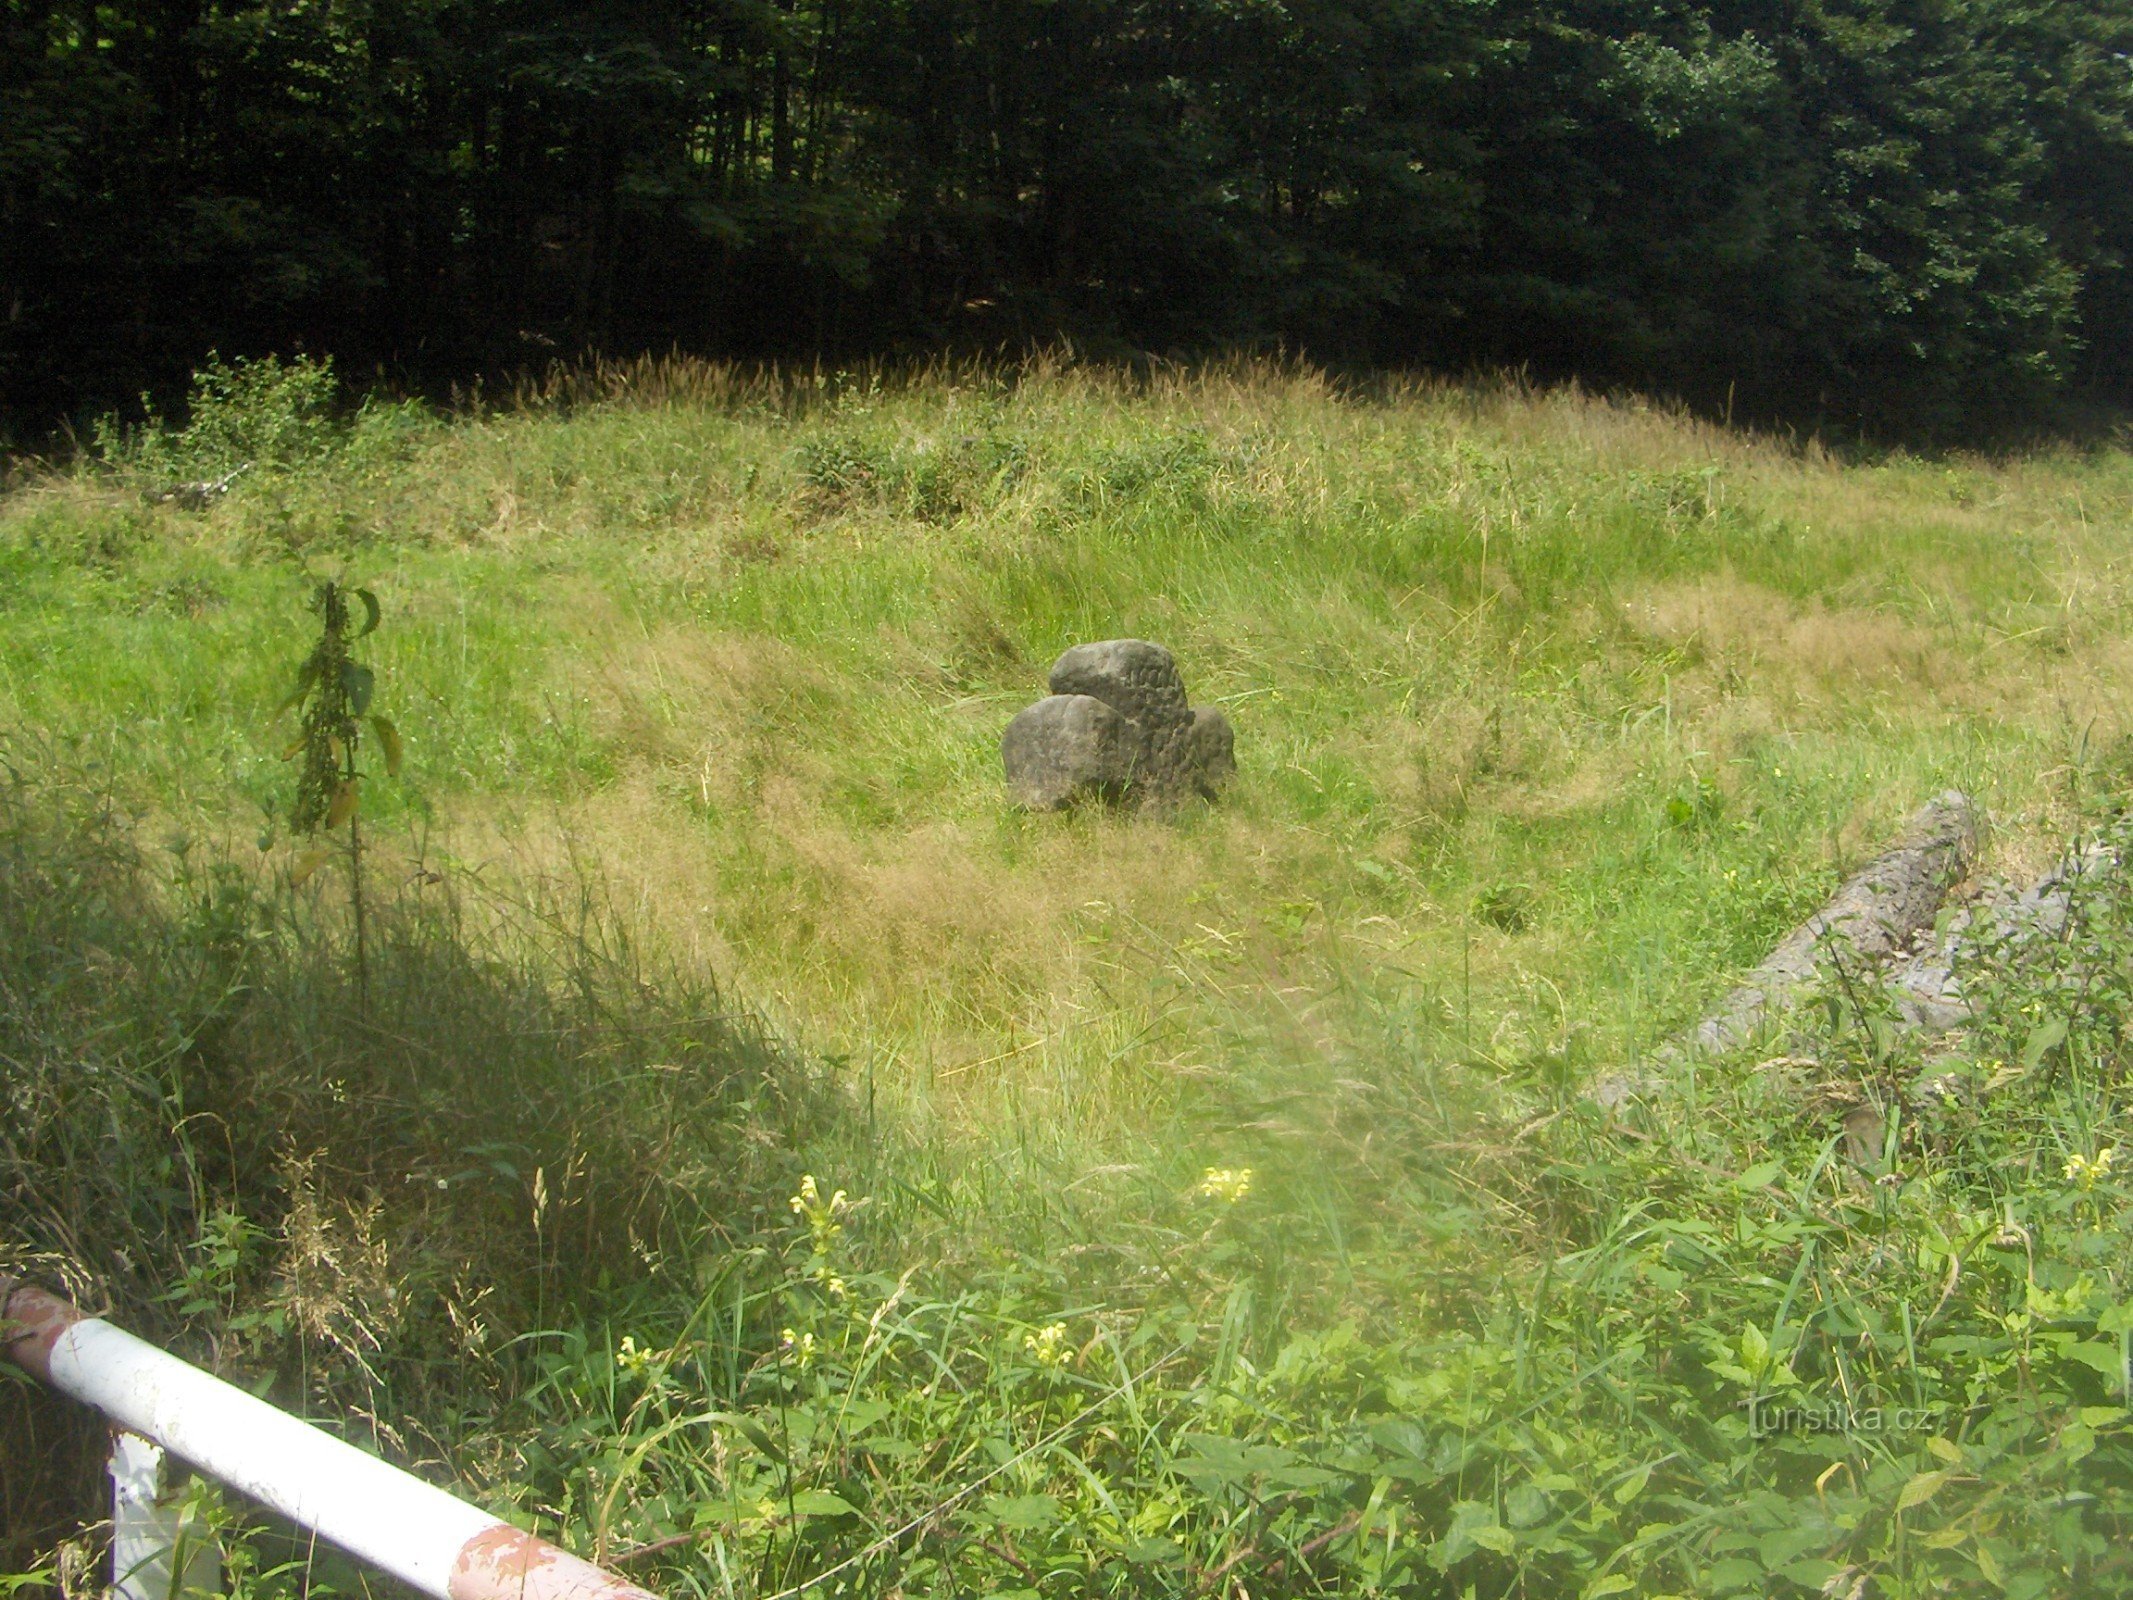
[
  {"x": 1551, "y": 712},
  {"x": 1477, "y": 647}
]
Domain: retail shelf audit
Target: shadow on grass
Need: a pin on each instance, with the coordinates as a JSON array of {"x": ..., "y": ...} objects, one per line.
[{"x": 206, "y": 1133}]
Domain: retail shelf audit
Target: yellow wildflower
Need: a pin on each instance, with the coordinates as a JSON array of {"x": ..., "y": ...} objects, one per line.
[
  {"x": 1048, "y": 1345},
  {"x": 2086, "y": 1172},
  {"x": 820, "y": 1215}
]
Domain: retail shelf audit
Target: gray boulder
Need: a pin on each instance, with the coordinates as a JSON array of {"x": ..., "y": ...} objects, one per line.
[
  {"x": 1133, "y": 677},
  {"x": 1117, "y": 727},
  {"x": 1068, "y": 745},
  {"x": 1207, "y": 757}
]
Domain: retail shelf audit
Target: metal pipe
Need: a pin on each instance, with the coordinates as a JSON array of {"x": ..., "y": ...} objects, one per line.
[
  {"x": 161, "y": 1546},
  {"x": 421, "y": 1535}
]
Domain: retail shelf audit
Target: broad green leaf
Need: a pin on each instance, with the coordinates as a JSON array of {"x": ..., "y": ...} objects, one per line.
[
  {"x": 1526, "y": 1505},
  {"x": 306, "y": 676},
  {"x": 1735, "y": 1572},
  {"x": 358, "y": 681},
  {"x": 1020, "y": 1513},
  {"x": 1754, "y": 1348},
  {"x": 1946, "y": 1450},
  {"x": 1760, "y": 1176},
  {"x": 1988, "y": 1563},
  {"x": 1780, "y": 1547},
  {"x": 1612, "y": 1583},
  {"x": 759, "y": 1436},
  {"x": 1494, "y": 1536},
  {"x": 1155, "y": 1552},
  {"x": 2042, "y": 1038},
  {"x": 1301, "y": 1478},
  {"x": 1920, "y": 1489},
  {"x": 1812, "y": 1573},
  {"x": 370, "y": 612},
  {"x": 2105, "y": 1358},
  {"x": 821, "y": 1503},
  {"x": 1632, "y": 1486}
]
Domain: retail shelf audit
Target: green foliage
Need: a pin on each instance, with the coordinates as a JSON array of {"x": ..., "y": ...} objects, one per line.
[
  {"x": 239, "y": 416},
  {"x": 1903, "y": 212},
  {"x": 332, "y": 698},
  {"x": 1741, "y": 1364},
  {"x": 210, "y": 1129},
  {"x": 930, "y": 479},
  {"x": 267, "y": 411},
  {"x": 1197, "y": 1206}
]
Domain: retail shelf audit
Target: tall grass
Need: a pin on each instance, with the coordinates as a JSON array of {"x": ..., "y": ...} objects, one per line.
[
  {"x": 210, "y": 1132},
  {"x": 1553, "y": 710}
]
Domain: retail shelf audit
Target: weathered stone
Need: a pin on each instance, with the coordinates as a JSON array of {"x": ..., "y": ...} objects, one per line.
[
  {"x": 1148, "y": 744},
  {"x": 1068, "y": 745},
  {"x": 2003, "y": 927},
  {"x": 1135, "y": 678},
  {"x": 1873, "y": 917},
  {"x": 1208, "y": 754}
]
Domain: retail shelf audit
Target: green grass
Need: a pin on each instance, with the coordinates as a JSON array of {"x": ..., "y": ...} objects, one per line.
[
  {"x": 1552, "y": 712},
  {"x": 755, "y": 658}
]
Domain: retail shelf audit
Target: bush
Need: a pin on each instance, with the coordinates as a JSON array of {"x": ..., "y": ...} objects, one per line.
[{"x": 243, "y": 413}]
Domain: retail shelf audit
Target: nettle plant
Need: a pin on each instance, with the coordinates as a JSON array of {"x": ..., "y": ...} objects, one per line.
[{"x": 332, "y": 699}]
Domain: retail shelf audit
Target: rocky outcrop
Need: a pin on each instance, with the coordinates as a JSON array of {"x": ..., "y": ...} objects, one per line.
[
  {"x": 1116, "y": 728},
  {"x": 1874, "y": 918}
]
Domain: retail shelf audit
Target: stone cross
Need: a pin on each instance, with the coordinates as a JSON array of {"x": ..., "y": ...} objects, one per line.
[{"x": 1116, "y": 728}]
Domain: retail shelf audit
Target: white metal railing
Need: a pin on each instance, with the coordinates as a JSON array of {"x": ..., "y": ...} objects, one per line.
[{"x": 421, "y": 1535}]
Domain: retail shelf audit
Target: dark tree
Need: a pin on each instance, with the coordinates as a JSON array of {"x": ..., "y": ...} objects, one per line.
[{"x": 1910, "y": 213}]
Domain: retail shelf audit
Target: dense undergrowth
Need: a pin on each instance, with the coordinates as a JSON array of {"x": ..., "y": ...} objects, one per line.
[{"x": 1288, "y": 1258}]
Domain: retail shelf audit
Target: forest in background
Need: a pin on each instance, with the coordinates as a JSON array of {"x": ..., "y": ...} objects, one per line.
[{"x": 1905, "y": 215}]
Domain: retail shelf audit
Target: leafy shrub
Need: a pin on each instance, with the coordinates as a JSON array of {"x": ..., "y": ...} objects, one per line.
[
  {"x": 1174, "y": 467},
  {"x": 266, "y": 411},
  {"x": 841, "y": 468},
  {"x": 259, "y": 413},
  {"x": 930, "y": 480}
]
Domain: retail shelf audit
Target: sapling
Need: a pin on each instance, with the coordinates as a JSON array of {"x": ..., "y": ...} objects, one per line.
[{"x": 332, "y": 697}]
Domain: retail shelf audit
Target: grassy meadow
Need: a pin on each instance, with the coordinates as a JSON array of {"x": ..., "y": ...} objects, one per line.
[{"x": 1221, "y": 1212}]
